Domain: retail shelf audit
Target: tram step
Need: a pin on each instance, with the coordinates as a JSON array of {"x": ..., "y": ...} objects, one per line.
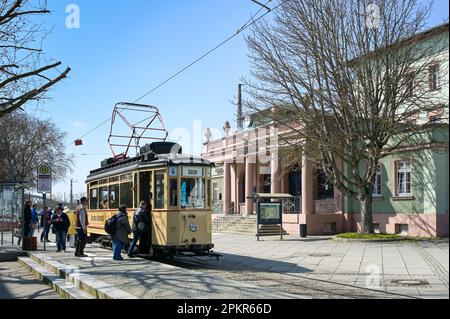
[
  {"x": 99, "y": 289},
  {"x": 64, "y": 288}
]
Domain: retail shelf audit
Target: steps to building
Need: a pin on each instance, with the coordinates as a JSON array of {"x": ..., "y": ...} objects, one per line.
[{"x": 68, "y": 282}]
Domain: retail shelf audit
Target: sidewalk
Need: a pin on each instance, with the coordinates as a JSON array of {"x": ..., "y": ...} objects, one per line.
[
  {"x": 146, "y": 279},
  {"x": 18, "y": 283},
  {"x": 419, "y": 269}
]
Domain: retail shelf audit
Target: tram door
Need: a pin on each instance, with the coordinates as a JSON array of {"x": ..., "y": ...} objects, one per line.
[{"x": 145, "y": 194}]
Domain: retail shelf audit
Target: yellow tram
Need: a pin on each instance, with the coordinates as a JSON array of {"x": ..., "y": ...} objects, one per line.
[{"x": 176, "y": 186}]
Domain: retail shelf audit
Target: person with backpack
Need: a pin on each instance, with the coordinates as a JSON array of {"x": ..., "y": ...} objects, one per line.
[
  {"x": 61, "y": 224},
  {"x": 81, "y": 226},
  {"x": 119, "y": 228},
  {"x": 139, "y": 227}
]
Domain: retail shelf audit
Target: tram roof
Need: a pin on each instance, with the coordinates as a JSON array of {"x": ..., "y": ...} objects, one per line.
[{"x": 143, "y": 162}]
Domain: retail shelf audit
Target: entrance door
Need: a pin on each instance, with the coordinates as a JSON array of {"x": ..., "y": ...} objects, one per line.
[{"x": 295, "y": 188}]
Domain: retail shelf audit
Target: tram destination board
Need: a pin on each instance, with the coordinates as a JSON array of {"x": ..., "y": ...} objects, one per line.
[{"x": 269, "y": 214}]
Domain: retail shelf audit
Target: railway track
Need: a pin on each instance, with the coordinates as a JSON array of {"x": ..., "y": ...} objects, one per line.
[{"x": 304, "y": 287}]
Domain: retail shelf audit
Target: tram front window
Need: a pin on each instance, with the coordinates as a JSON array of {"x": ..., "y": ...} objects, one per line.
[{"x": 193, "y": 193}]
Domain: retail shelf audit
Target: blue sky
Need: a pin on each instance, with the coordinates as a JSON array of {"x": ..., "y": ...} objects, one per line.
[{"x": 124, "y": 48}]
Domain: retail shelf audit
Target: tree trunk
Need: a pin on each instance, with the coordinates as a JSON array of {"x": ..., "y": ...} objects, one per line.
[{"x": 366, "y": 215}]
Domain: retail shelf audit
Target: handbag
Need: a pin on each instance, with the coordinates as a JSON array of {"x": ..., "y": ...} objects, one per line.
[{"x": 141, "y": 226}]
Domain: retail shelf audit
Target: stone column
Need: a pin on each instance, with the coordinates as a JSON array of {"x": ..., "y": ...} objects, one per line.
[
  {"x": 307, "y": 187},
  {"x": 275, "y": 174},
  {"x": 226, "y": 187},
  {"x": 250, "y": 170}
]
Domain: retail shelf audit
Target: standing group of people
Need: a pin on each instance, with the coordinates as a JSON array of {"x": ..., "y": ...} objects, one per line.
[
  {"x": 73, "y": 226},
  {"x": 64, "y": 223}
]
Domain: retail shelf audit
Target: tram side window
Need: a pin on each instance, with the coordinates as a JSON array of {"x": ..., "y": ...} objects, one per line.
[
  {"x": 104, "y": 197},
  {"x": 113, "y": 196},
  {"x": 93, "y": 201},
  {"x": 193, "y": 193},
  {"x": 126, "y": 194},
  {"x": 159, "y": 200},
  {"x": 173, "y": 189}
]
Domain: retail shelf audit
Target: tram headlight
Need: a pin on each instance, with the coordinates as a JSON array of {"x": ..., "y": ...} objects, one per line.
[{"x": 193, "y": 227}]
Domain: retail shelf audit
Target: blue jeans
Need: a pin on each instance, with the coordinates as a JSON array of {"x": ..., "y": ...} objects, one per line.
[
  {"x": 117, "y": 247},
  {"x": 136, "y": 236},
  {"x": 61, "y": 239}
]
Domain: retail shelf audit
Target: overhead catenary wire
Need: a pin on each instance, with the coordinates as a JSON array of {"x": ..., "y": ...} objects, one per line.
[{"x": 255, "y": 18}]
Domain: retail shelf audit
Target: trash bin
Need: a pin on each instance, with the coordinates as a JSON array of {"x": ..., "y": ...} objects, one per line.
[{"x": 303, "y": 230}]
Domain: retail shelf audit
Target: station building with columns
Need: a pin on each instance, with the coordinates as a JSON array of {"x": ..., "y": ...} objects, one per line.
[{"x": 411, "y": 189}]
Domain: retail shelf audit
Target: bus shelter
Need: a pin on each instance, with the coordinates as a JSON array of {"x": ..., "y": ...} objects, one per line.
[
  {"x": 270, "y": 209},
  {"x": 11, "y": 207}
]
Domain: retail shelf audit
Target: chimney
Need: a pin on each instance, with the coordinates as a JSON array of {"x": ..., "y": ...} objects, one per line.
[{"x": 240, "y": 116}]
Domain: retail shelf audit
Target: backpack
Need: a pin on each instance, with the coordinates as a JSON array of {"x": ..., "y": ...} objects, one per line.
[{"x": 111, "y": 225}]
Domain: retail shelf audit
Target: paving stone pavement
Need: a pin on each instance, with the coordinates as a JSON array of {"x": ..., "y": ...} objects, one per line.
[
  {"x": 387, "y": 267},
  {"x": 374, "y": 265},
  {"x": 18, "y": 283}
]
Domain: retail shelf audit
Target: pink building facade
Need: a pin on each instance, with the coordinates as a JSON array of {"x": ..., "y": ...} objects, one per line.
[{"x": 249, "y": 162}]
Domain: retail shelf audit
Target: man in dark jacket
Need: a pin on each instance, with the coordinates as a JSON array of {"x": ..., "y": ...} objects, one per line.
[
  {"x": 120, "y": 236},
  {"x": 27, "y": 219},
  {"x": 61, "y": 224},
  {"x": 145, "y": 240},
  {"x": 138, "y": 227},
  {"x": 46, "y": 222}
]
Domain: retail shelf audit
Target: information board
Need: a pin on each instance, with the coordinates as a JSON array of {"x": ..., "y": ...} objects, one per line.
[{"x": 270, "y": 214}]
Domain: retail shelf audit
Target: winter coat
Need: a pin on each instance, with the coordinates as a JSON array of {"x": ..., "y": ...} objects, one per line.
[
  {"x": 71, "y": 215},
  {"x": 141, "y": 215},
  {"x": 61, "y": 225},
  {"x": 27, "y": 215},
  {"x": 34, "y": 216},
  {"x": 123, "y": 228}
]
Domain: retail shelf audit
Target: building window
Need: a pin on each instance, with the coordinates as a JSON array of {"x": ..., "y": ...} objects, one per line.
[
  {"x": 376, "y": 228},
  {"x": 434, "y": 77},
  {"x": 377, "y": 184},
  {"x": 330, "y": 228},
  {"x": 435, "y": 116},
  {"x": 404, "y": 169},
  {"x": 401, "y": 229},
  {"x": 409, "y": 84},
  {"x": 325, "y": 189}
]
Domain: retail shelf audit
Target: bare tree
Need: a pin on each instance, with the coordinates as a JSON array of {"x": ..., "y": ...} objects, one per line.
[
  {"x": 351, "y": 84},
  {"x": 25, "y": 143},
  {"x": 24, "y": 76}
]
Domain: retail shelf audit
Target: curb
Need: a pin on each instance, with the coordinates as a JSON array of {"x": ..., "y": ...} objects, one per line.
[
  {"x": 380, "y": 240},
  {"x": 98, "y": 289},
  {"x": 65, "y": 289}
]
